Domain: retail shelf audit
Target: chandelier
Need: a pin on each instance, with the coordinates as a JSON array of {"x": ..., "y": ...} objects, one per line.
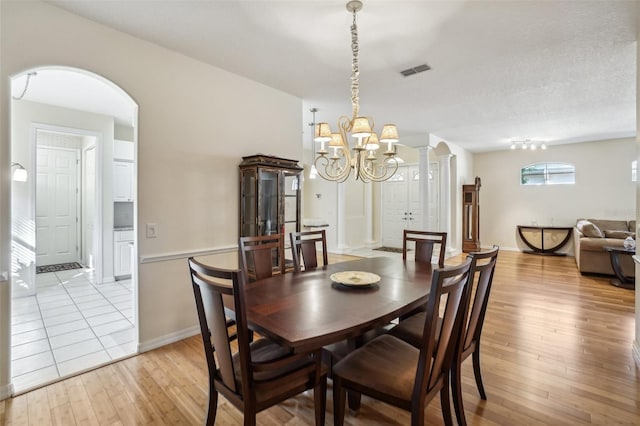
[{"x": 364, "y": 159}]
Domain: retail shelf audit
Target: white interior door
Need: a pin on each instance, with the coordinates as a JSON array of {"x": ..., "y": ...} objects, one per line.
[
  {"x": 394, "y": 208},
  {"x": 56, "y": 206},
  {"x": 414, "y": 206}
]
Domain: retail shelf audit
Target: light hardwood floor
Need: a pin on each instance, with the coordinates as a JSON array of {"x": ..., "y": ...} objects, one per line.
[{"x": 556, "y": 350}]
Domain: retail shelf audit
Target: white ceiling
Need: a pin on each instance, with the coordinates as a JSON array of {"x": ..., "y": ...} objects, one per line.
[
  {"x": 555, "y": 71},
  {"x": 66, "y": 87}
]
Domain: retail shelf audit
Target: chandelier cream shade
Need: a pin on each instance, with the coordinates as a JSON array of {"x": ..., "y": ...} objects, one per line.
[{"x": 335, "y": 159}]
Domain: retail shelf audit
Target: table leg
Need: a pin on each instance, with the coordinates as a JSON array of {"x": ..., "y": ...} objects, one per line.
[{"x": 622, "y": 280}]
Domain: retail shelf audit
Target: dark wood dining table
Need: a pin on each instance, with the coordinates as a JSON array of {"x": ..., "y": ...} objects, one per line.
[{"x": 306, "y": 310}]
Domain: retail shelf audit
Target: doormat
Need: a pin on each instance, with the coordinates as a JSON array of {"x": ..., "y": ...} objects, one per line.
[
  {"x": 391, "y": 249},
  {"x": 58, "y": 267}
]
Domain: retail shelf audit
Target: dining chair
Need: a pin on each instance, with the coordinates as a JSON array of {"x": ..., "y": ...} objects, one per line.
[
  {"x": 259, "y": 374},
  {"x": 304, "y": 243},
  {"x": 484, "y": 265},
  {"x": 262, "y": 256},
  {"x": 482, "y": 269},
  {"x": 394, "y": 371},
  {"x": 424, "y": 243}
]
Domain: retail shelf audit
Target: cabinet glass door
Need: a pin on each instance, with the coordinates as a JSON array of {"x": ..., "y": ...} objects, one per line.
[
  {"x": 248, "y": 202},
  {"x": 268, "y": 205},
  {"x": 291, "y": 204}
]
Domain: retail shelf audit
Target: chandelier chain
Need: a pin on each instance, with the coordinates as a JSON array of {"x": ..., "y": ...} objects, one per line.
[{"x": 355, "y": 69}]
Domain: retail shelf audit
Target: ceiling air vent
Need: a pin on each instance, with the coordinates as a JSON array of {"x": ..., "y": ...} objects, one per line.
[{"x": 415, "y": 70}]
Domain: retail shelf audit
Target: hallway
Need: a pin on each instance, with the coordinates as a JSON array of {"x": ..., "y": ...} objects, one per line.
[{"x": 70, "y": 325}]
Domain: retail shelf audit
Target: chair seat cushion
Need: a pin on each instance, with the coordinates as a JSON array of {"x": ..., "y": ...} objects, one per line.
[
  {"x": 410, "y": 329},
  {"x": 265, "y": 350},
  {"x": 386, "y": 364}
]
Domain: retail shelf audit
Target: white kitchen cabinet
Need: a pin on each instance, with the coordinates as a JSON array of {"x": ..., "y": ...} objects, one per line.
[
  {"x": 122, "y": 181},
  {"x": 122, "y": 249},
  {"x": 122, "y": 150}
]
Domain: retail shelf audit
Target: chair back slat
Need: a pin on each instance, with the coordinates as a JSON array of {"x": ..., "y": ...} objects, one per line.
[
  {"x": 209, "y": 285},
  {"x": 304, "y": 243},
  {"x": 436, "y": 355},
  {"x": 483, "y": 267},
  {"x": 261, "y": 256},
  {"x": 424, "y": 245}
]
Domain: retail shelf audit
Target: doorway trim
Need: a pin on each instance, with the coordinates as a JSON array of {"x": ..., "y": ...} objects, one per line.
[{"x": 97, "y": 213}]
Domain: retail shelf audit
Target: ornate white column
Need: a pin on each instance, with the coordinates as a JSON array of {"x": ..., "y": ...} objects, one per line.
[
  {"x": 342, "y": 218},
  {"x": 425, "y": 196},
  {"x": 368, "y": 214},
  {"x": 445, "y": 196}
]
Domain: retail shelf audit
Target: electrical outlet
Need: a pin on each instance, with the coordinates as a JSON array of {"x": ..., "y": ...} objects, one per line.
[{"x": 152, "y": 230}]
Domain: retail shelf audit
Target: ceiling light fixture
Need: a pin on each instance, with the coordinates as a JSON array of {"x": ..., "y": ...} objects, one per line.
[
  {"x": 528, "y": 144},
  {"x": 365, "y": 161}
]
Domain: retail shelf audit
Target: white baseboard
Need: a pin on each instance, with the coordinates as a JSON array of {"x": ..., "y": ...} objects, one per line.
[
  {"x": 6, "y": 391},
  {"x": 167, "y": 339},
  {"x": 635, "y": 350}
]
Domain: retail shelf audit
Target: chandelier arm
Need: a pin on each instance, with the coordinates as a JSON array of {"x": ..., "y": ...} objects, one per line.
[{"x": 386, "y": 167}]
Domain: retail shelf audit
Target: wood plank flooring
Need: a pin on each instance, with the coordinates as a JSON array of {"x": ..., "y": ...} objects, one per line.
[{"x": 556, "y": 350}]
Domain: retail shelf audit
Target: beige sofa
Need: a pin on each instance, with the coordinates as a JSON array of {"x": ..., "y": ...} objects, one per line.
[{"x": 589, "y": 238}]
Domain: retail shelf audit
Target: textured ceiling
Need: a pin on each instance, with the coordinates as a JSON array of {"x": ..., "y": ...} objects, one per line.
[{"x": 556, "y": 71}]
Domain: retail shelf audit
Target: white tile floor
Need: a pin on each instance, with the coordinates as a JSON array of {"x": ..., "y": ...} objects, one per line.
[{"x": 70, "y": 325}]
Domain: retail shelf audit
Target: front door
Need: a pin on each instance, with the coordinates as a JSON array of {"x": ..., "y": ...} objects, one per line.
[
  {"x": 56, "y": 206},
  {"x": 394, "y": 208}
]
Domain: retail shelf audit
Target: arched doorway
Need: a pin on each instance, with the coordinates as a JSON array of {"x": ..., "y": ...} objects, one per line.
[{"x": 69, "y": 312}]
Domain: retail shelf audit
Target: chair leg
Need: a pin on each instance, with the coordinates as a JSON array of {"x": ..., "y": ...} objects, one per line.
[
  {"x": 320, "y": 401},
  {"x": 477, "y": 373},
  {"x": 355, "y": 399},
  {"x": 445, "y": 403},
  {"x": 213, "y": 406},
  {"x": 456, "y": 390},
  {"x": 339, "y": 396}
]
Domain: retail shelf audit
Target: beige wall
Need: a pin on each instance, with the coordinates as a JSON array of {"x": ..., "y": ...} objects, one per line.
[
  {"x": 603, "y": 189},
  {"x": 195, "y": 122}
]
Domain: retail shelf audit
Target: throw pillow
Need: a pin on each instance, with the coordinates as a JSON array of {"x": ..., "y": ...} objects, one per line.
[
  {"x": 632, "y": 225},
  {"x": 621, "y": 235},
  {"x": 588, "y": 229}
]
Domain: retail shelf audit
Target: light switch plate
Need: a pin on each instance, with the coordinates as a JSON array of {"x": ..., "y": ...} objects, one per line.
[{"x": 152, "y": 230}]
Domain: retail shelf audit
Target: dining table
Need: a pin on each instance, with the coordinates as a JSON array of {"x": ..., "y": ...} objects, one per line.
[{"x": 308, "y": 310}]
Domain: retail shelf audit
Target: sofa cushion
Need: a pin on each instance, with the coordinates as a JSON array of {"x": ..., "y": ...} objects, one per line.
[
  {"x": 588, "y": 229},
  {"x": 619, "y": 234},
  {"x": 610, "y": 225},
  {"x": 632, "y": 225}
]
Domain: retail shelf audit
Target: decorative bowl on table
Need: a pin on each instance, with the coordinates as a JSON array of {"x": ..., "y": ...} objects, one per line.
[{"x": 355, "y": 278}]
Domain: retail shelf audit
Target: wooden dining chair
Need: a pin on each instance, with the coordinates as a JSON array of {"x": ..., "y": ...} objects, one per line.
[
  {"x": 394, "y": 371},
  {"x": 262, "y": 256},
  {"x": 259, "y": 374},
  {"x": 424, "y": 243},
  {"x": 482, "y": 268},
  {"x": 484, "y": 265},
  {"x": 304, "y": 243}
]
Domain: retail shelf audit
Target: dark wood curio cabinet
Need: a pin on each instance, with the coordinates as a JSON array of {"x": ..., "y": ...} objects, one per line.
[{"x": 270, "y": 196}]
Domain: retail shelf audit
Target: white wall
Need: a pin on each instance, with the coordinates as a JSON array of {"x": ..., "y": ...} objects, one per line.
[
  {"x": 603, "y": 189},
  {"x": 192, "y": 131},
  {"x": 636, "y": 343}
]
